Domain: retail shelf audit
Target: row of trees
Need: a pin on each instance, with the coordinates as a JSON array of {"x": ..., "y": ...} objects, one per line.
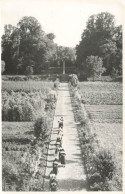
[
  {"x": 26, "y": 48},
  {"x": 100, "y": 48}
]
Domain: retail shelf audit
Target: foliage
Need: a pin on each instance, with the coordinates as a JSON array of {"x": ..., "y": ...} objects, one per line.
[
  {"x": 24, "y": 162},
  {"x": 24, "y": 101},
  {"x": 26, "y": 45},
  {"x": 101, "y": 38},
  {"x": 41, "y": 128},
  {"x": 22, "y": 106},
  {"x": 94, "y": 66},
  {"x": 27, "y": 86},
  {"x": 29, "y": 70}
]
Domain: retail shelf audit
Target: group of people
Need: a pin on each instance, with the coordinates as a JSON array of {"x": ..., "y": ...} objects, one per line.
[{"x": 60, "y": 156}]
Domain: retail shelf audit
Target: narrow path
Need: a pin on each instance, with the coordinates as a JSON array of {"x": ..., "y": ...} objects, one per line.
[{"x": 72, "y": 177}]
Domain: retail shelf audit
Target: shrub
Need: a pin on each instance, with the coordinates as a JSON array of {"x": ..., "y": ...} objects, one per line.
[
  {"x": 105, "y": 164},
  {"x": 41, "y": 128},
  {"x": 22, "y": 106}
]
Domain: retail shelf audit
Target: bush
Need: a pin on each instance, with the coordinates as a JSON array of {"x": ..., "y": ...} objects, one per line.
[
  {"x": 105, "y": 164},
  {"x": 41, "y": 128},
  {"x": 22, "y": 106}
]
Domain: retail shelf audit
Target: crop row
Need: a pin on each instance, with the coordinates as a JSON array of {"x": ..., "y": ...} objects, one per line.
[
  {"x": 100, "y": 165},
  {"x": 24, "y": 162},
  {"x": 27, "y": 86},
  {"x": 101, "y": 93},
  {"x": 21, "y": 106}
]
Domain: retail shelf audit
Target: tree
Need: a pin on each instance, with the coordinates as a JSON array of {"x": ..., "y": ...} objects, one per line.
[
  {"x": 65, "y": 54},
  {"x": 94, "y": 66},
  {"x": 51, "y": 36},
  {"x": 116, "y": 58},
  {"x": 26, "y": 44},
  {"x": 29, "y": 70},
  {"x": 107, "y": 50},
  {"x": 98, "y": 33},
  {"x": 41, "y": 128},
  {"x": 6, "y": 43}
]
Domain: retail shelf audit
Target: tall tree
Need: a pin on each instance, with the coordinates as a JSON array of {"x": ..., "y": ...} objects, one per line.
[
  {"x": 27, "y": 45},
  {"x": 97, "y": 39},
  {"x": 94, "y": 66},
  {"x": 6, "y": 43}
]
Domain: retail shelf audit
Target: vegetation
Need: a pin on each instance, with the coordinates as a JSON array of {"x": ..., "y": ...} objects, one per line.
[
  {"x": 102, "y": 93},
  {"x": 101, "y": 38},
  {"x": 25, "y": 143},
  {"x": 27, "y": 86},
  {"x": 27, "y": 49},
  {"x": 99, "y": 132},
  {"x": 24, "y": 158},
  {"x": 21, "y": 106},
  {"x": 94, "y": 65}
]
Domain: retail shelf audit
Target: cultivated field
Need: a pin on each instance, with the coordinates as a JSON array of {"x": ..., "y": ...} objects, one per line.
[
  {"x": 27, "y": 86},
  {"x": 109, "y": 93},
  {"x": 103, "y": 103},
  {"x": 23, "y": 158}
]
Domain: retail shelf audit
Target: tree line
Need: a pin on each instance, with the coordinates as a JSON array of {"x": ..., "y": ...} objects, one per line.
[
  {"x": 100, "y": 49},
  {"x": 27, "y": 49}
]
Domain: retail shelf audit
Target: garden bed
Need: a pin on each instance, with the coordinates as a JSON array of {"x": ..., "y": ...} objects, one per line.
[{"x": 100, "y": 130}]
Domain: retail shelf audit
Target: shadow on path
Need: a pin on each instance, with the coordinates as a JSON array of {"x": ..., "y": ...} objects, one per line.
[{"x": 71, "y": 185}]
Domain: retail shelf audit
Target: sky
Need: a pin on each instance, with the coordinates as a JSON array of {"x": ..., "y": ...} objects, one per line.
[{"x": 65, "y": 18}]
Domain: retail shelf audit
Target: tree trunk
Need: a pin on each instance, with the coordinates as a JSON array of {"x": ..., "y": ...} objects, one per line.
[{"x": 64, "y": 67}]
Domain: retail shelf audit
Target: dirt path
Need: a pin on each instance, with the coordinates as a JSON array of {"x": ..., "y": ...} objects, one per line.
[{"x": 72, "y": 177}]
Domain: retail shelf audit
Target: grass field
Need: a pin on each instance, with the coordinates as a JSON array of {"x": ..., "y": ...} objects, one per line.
[{"x": 103, "y": 103}]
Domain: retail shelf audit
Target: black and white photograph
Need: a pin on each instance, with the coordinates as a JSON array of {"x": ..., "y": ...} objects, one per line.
[{"x": 62, "y": 95}]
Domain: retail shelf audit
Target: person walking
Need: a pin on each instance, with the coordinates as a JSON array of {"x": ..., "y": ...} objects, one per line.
[
  {"x": 55, "y": 166},
  {"x": 60, "y": 123},
  {"x": 59, "y": 140},
  {"x": 62, "y": 157},
  {"x": 57, "y": 148},
  {"x": 60, "y": 150}
]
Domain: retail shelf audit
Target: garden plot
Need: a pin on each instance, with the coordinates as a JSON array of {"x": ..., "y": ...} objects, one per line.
[
  {"x": 23, "y": 160},
  {"x": 103, "y": 104},
  {"x": 27, "y": 86},
  {"x": 106, "y": 122},
  {"x": 18, "y": 159},
  {"x": 95, "y": 93}
]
